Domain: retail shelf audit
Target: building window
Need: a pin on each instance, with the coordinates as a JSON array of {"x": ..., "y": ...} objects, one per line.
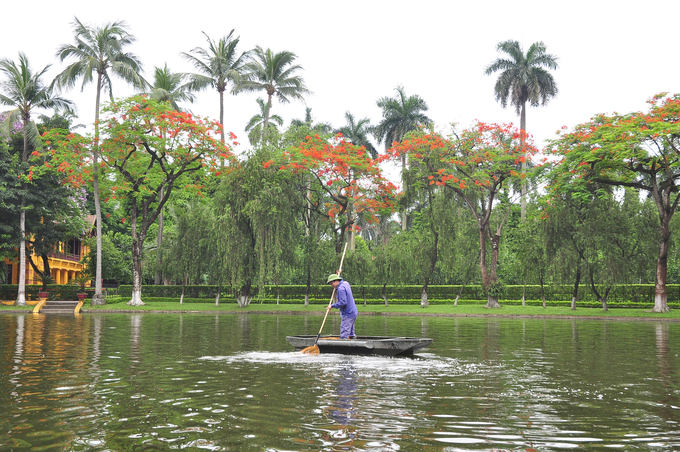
[{"x": 73, "y": 247}]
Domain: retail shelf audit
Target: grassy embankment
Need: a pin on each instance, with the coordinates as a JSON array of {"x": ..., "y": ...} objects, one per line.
[{"x": 414, "y": 310}]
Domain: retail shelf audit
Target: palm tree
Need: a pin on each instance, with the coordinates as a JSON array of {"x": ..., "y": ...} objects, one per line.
[
  {"x": 219, "y": 65},
  {"x": 256, "y": 123},
  {"x": 171, "y": 87},
  {"x": 273, "y": 73},
  {"x": 100, "y": 51},
  {"x": 24, "y": 91},
  {"x": 523, "y": 78},
  {"x": 322, "y": 128},
  {"x": 400, "y": 115},
  {"x": 357, "y": 133}
]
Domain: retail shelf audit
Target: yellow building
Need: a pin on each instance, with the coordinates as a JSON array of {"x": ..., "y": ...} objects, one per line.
[{"x": 64, "y": 262}]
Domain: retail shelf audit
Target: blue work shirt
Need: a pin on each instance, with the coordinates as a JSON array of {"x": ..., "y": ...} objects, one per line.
[{"x": 345, "y": 300}]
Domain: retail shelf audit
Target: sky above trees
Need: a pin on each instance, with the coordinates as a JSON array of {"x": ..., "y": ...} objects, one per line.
[{"x": 611, "y": 58}]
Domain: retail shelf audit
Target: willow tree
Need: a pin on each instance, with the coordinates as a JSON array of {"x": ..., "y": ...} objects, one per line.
[{"x": 256, "y": 230}]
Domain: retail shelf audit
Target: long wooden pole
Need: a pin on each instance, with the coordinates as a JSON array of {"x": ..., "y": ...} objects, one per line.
[{"x": 314, "y": 348}]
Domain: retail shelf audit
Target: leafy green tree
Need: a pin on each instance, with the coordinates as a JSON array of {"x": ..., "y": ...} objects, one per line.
[
  {"x": 99, "y": 51},
  {"x": 275, "y": 74},
  {"x": 637, "y": 150},
  {"x": 219, "y": 65},
  {"x": 256, "y": 124},
  {"x": 24, "y": 91},
  {"x": 459, "y": 242},
  {"x": 400, "y": 115},
  {"x": 533, "y": 252},
  {"x": 523, "y": 78},
  {"x": 116, "y": 255},
  {"x": 358, "y": 267},
  {"x": 189, "y": 242},
  {"x": 391, "y": 263},
  {"x": 357, "y": 132},
  {"x": 11, "y": 193}
]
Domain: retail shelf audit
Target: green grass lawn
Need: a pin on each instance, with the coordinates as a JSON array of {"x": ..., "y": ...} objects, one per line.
[
  {"x": 462, "y": 310},
  {"x": 15, "y": 308},
  {"x": 120, "y": 304}
]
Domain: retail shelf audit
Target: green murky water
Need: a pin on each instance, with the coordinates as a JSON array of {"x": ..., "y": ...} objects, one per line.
[{"x": 123, "y": 382}]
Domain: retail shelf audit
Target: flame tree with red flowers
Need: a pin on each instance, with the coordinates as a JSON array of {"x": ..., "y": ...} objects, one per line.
[
  {"x": 147, "y": 148},
  {"x": 345, "y": 181},
  {"x": 337, "y": 181},
  {"x": 639, "y": 150},
  {"x": 481, "y": 165}
]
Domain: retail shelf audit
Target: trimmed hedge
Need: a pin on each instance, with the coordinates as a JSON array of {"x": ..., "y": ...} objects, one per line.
[
  {"x": 638, "y": 293},
  {"x": 633, "y": 296},
  {"x": 65, "y": 292}
]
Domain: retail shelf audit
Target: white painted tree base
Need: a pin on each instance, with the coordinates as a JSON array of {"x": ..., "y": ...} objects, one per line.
[
  {"x": 136, "y": 299},
  {"x": 243, "y": 301}
]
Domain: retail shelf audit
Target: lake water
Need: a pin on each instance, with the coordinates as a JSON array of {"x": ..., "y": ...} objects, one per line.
[{"x": 124, "y": 382}]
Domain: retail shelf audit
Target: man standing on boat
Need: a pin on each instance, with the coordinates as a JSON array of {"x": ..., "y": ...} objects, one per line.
[{"x": 344, "y": 301}]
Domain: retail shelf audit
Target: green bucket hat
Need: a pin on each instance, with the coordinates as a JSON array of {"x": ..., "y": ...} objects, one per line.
[{"x": 332, "y": 278}]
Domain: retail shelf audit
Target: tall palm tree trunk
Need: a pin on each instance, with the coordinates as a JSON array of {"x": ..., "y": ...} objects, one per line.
[
  {"x": 97, "y": 298},
  {"x": 523, "y": 126},
  {"x": 21, "y": 293},
  {"x": 265, "y": 126},
  {"x": 222, "y": 116}
]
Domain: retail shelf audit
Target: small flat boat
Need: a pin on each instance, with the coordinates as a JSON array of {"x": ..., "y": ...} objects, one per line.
[{"x": 363, "y": 345}]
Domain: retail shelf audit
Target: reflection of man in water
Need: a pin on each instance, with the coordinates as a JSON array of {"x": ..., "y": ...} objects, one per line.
[{"x": 346, "y": 391}]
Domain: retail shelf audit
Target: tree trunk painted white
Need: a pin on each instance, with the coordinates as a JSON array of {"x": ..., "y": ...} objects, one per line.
[
  {"x": 523, "y": 201},
  {"x": 137, "y": 242},
  {"x": 97, "y": 298},
  {"x": 492, "y": 302},
  {"x": 661, "y": 291},
  {"x": 243, "y": 300},
  {"x": 21, "y": 294},
  {"x": 603, "y": 300},
  {"x": 136, "y": 299},
  {"x": 423, "y": 298}
]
